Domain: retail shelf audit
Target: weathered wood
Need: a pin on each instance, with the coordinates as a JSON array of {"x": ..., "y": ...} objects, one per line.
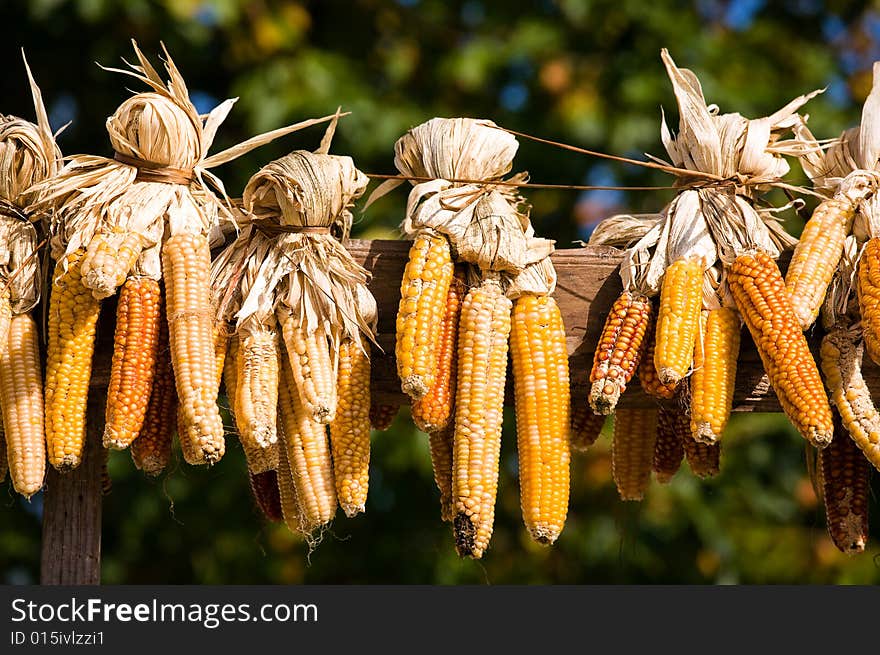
[
  {"x": 588, "y": 285},
  {"x": 71, "y": 547}
]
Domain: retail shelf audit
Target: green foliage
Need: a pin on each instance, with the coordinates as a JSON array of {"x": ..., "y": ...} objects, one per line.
[{"x": 582, "y": 72}]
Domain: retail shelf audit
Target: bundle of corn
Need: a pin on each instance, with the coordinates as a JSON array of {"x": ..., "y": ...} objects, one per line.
[
  {"x": 304, "y": 319},
  {"x": 28, "y": 156},
  {"x": 147, "y": 214},
  {"x": 848, "y": 174},
  {"x": 713, "y": 237},
  {"x": 452, "y": 342}
]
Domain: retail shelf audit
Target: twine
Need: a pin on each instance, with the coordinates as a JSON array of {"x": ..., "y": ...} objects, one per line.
[{"x": 148, "y": 171}]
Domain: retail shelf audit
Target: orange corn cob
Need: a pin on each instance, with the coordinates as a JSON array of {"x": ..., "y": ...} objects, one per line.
[
  {"x": 869, "y": 296},
  {"x": 619, "y": 350},
  {"x": 21, "y": 396},
  {"x": 841, "y": 358},
  {"x": 632, "y": 451},
  {"x": 135, "y": 344},
  {"x": 760, "y": 295},
  {"x": 186, "y": 268},
  {"x": 434, "y": 410},
  {"x": 264, "y": 487},
  {"x": 816, "y": 256},
  {"x": 648, "y": 377},
  {"x": 678, "y": 319},
  {"x": 73, "y": 313},
  {"x": 423, "y": 300},
  {"x": 540, "y": 375},
  {"x": 151, "y": 451},
  {"x": 712, "y": 383},
  {"x": 440, "y": 444},
  {"x": 382, "y": 415},
  {"x": 350, "y": 429},
  {"x": 845, "y": 487},
  {"x": 585, "y": 427},
  {"x": 668, "y": 449},
  {"x": 483, "y": 331}
]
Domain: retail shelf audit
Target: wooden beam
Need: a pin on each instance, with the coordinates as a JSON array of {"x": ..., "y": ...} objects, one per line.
[{"x": 588, "y": 285}]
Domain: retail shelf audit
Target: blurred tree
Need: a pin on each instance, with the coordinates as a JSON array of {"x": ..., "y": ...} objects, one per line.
[{"x": 583, "y": 72}]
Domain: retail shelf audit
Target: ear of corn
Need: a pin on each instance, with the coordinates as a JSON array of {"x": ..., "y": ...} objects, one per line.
[
  {"x": 816, "y": 256},
  {"x": 632, "y": 451},
  {"x": 668, "y": 449},
  {"x": 306, "y": 451},
  {"x": 186, "y": 268},
  {"x": 264, "y": 488},
  {"x": 841, "y": 358},
  {"x": 21, "y": 396},
  {"x": 845, "y": 487},
  {"x": 586, "y": 427},
  {"x": 423, "y": 299},
  {"x": 619, "y": 350},
  {"x": 869, "y": 296},
  {"x": 290, "y": 509},
  {"x": 681, "y": 297},
  {"x": 483, "y": 331},
  {"x": 135, "y": 344},
  {"x": 541, "y": 383},
  {"x": 712, "y": 383},
  {"x": 151, "y": 451},
  {"x": 108, "y": 261},
  {"x": 382, "y": 415},
  {"x": 760, "y": 295},
  {"x": 256, "y": 394},
  {"x": 73, "y": 313},
  {"x": 4, "y": 463},
  {"x": 648, "y": 377},
  {"x": 350, "y": 429},
  {"x": 703, "y": 459},
  {"x": 230, "y": 371},
  {"x": 313, "y": 369},
  {"x": 434, "y": 410},
  {"x": 440, "y": 444}
]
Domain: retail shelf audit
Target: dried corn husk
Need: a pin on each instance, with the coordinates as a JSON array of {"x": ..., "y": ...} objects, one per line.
[
  {"x": 28, "y": 156},
  {"x": 163, "y": 182}
]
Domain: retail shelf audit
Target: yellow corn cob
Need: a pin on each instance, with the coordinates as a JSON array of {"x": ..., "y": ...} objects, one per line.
[
  {"x": 423, "y": 293},
  {"x": 264, "y": 487},
  {"x": 668, "y": 450},
  {"x": 632, "y": 451},
  {"x": 759, "y": 292},
  {"x": 256, "y": 393},
  {"x": 105, "y": 266},
  {"x": 382, "y": 415},
  {"x": 186, "y": 267},
  {"x": 816, "y": 256},
  {"x": 135, "y": 344},
  {"x": 308, "y": 354},
  {"x": 540, "y": 375},
  {"x": 619, "y": 350},
  {"x": 440, "y": 444},
  {"x": 648, "y": 377},
  {"x": 585, "y": 427},
  {"x": 712, "y": 383},
  {"x": 841, "y": 358},
  {"x": 291, "y": 512},
  {"x": 350, "y": 429},
  {"x": 479, "y": 403},
  {"x": 151, "y": 451},
  {"x": 307, "y": 453},
  {"x": 845, "y": 478},
  {"x": 21, "y": 396},
  {"x": 259, "y": 459},
  {"x": 73, "y": 313},
  {"x": 434, "y": 410},
  {"x": 704, "y": 459},
  {"x": 681, "y": 297},
  {"x": 869, "y": 296}
]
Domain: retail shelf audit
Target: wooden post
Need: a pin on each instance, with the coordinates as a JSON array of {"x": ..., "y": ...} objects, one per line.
[{"x": 71, "y": 549}]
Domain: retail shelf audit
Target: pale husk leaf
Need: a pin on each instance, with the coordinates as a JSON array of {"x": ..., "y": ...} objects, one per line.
[{"x": 622, "y": 230}]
